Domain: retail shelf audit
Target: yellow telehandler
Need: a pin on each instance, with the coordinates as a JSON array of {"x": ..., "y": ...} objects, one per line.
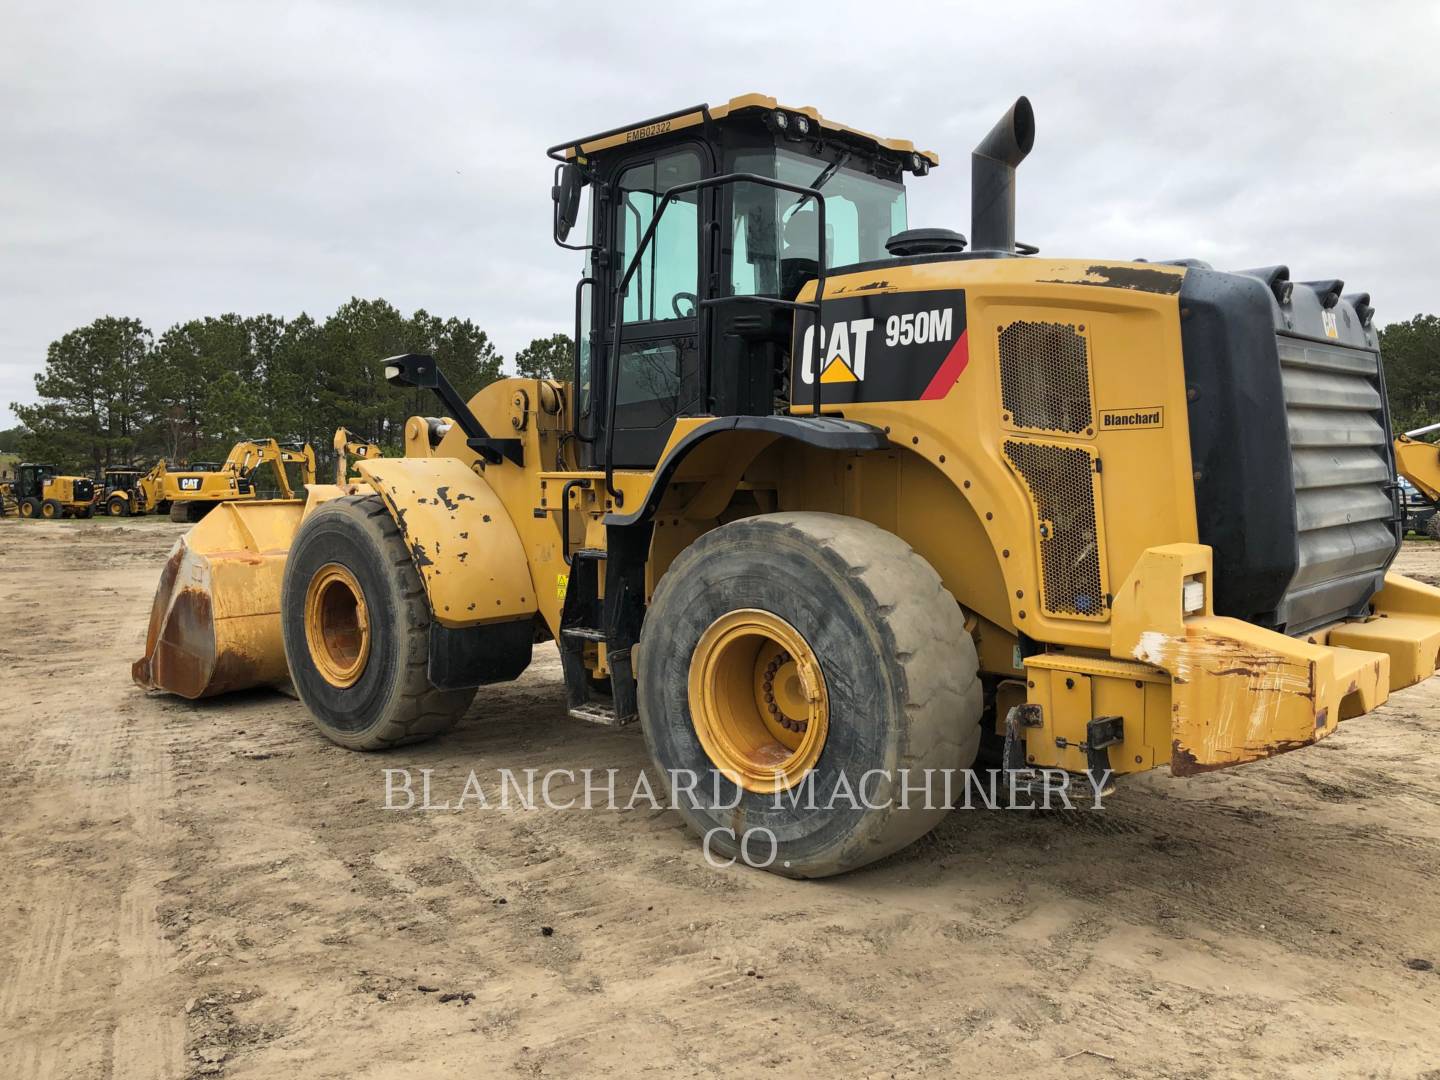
[{"x": 830, "y": 502}]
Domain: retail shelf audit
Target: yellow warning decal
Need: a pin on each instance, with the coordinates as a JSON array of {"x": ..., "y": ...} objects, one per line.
[{"x": 562, "y": 582}]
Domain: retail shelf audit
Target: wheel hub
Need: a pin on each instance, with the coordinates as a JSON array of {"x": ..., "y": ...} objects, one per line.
[
  {"x": 337, "y": 625},
  {"x": 758, "y": 700}
]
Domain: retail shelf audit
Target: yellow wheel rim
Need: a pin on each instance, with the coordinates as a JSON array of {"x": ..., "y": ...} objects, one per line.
[
  {"x": 26, "y": 510},
  {"x": 337, "y": 625},
  {"x": 758, "y": 700},
  {"x": 48, "y": 511}
]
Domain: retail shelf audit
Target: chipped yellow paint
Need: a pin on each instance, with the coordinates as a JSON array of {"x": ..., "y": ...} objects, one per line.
[
  {"x": 460, "y": 536},
  {"x": 1238, "y": 692}
]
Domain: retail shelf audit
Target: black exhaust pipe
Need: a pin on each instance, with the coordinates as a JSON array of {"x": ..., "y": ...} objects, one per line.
[{"x": 992, "y": 178}]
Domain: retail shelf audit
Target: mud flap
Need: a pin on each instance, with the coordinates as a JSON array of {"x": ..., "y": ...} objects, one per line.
[{"x": 463, "y": 657}]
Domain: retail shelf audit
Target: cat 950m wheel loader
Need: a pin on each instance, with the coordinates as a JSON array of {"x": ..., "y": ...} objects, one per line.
[{"x": 830, "y": 500}]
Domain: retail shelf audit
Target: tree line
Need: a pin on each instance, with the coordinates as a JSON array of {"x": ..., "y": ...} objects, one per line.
[{"x": 113, "y": 393}]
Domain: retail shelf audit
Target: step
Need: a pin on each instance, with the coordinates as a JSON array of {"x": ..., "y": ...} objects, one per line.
[
  {"x": 595, "y": 713},
  {"x": 586, "y": 633},
  {"x": 588, "y": 553}
]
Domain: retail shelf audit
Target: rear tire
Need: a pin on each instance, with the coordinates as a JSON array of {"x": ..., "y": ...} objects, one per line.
[
  {"x": 118, "y": 507},
  {"x": 51, "y": 510},
  {"x": 367, "y": 692},
  {"x": 900, "y": 685},
  {"x": 1432, "y": 526},
  {"x": 29, "y": 508}
]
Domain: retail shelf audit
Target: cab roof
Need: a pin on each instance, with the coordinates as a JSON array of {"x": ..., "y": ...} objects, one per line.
[{"x": 736, "y": 106}]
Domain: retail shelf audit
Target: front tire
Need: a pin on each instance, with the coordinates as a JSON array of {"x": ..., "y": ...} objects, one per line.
[
  {"x": 118, "y": 507},
  {"x": 29, "y": 508},
  {"x": 897, "y": 691},
  {"x": 51, "y": 510},
  {"x": 356, "y": 624}
]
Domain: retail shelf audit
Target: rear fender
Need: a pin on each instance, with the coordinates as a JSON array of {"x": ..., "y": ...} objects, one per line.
[{"x": 461, "y": 538}]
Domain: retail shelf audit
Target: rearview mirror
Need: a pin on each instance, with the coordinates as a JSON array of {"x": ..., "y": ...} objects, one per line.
[{"x": 566, "y": 195}]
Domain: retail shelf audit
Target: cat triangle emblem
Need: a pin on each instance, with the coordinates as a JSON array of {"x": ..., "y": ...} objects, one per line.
[{"x": 837, "y": 371}]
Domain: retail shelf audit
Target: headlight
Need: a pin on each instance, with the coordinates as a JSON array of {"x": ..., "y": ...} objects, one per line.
[{"x": 802, "y": 125}]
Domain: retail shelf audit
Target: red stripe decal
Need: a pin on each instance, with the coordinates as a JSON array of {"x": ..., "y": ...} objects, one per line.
[{"x": 950, "y": 369}]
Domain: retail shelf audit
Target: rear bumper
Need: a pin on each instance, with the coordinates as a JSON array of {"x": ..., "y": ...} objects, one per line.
[{"x": 1204, "y": 692}]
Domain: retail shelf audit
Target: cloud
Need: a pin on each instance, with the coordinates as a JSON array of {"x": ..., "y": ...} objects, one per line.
[{"x": 170, "y": 160}]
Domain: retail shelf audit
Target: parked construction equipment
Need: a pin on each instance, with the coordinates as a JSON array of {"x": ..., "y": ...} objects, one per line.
[
  {"x": 348, "y": 448},
  {"x": 42, "y": 491},
  {"x": 193, "y": 494},
  {"x": 832, "y": 499},
  {"x": 127, "y": 490},
  {"x": 1418, "y": 462}
]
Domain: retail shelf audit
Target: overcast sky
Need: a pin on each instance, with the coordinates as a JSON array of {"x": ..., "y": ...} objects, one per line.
[{"x": 167, "y": 160}]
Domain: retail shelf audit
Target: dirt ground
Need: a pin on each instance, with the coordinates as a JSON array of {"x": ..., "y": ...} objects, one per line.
[{"x": 212, "y": 889}]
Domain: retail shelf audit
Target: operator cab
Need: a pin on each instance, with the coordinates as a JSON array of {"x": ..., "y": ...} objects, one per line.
[
  {"x": 30, "y": 479},
  {"x": 720, "y": 204},
  {"x": 121, "y": 479}
]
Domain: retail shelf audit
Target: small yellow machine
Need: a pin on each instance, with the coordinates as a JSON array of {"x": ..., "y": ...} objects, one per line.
[
  {"x": 833, "y": 502},
  {"x": 1418, "y": 462},
  {"x": 41, "y": 491}
]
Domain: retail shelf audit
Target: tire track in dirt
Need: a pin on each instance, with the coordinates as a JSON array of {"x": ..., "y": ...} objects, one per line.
[{"x": 75, "y": 1001}]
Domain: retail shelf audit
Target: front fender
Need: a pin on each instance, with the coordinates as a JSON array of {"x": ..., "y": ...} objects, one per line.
[{"x": 460, "y": 536}]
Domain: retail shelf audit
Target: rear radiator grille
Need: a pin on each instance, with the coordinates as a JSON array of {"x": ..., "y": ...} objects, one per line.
[
  {"x": 1065, "y": 497},
  {"x": 1341, "y": 467},
  {"x": 1045, "y": 377}
]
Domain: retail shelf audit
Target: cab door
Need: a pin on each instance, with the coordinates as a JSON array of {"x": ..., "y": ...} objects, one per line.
[{"x": 659, "y": 352}]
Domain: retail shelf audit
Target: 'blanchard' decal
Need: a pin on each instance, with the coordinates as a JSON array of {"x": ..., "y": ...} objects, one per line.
[
  {"x": 1151, "y": 416},
  {"x": 885, "y": 347}
]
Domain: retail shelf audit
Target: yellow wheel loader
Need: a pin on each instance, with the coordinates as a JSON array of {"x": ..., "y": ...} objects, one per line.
[
  {"x": 41, "y": 491},
  {"x": 1418, "y": 463},
  {"x": 831, "y": 504}
]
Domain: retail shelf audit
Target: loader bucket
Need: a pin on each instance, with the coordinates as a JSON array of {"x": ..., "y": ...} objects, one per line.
[{"x": 215, "y": 624}]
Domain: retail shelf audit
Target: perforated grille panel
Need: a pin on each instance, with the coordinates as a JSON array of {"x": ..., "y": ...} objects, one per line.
[
  {"x": 1063, "y": 495},
  {"x": 1045, "y": 377}
]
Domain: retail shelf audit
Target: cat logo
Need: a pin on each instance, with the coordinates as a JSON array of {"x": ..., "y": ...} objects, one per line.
[
  {"x": 189, "y": 483},
  {"x": 1327, "y": 319},
  {"x": 845, "y": 344}
]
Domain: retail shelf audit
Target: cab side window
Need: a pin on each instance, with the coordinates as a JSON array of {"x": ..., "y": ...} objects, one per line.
[{"x": 666, "y": 282}]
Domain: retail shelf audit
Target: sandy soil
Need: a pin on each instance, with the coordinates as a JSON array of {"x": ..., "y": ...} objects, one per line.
[{"x": 213, "y": 889}]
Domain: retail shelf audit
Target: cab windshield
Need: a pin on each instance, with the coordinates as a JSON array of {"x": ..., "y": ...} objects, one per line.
[{"x": 774, "y": 234}]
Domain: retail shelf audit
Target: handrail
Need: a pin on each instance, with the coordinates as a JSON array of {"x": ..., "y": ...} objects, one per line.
[
  {"x": 612, "y": 375},
  {"x": 554, "y": 153}
]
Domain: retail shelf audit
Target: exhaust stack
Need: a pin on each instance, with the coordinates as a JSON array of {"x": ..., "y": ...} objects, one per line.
[{"x": 992, "y": 178}]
